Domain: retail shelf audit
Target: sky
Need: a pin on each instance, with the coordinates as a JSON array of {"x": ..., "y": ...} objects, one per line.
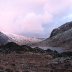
[{"x": 34, "y": 18}]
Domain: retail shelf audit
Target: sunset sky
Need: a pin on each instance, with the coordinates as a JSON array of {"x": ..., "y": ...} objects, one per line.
[{"x": 35, "y": 18}]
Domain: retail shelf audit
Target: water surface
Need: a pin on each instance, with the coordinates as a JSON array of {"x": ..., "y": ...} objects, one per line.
[{"x": 58, "y": 49}]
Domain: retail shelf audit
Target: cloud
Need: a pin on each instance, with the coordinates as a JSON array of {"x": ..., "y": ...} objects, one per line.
[
  {"x": 30, "y": 15},
  {"x": 56, "y": 6},
  {"x": 33, "y": 22}
]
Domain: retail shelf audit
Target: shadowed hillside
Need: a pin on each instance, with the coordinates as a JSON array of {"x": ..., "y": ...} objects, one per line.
[
  {"x": 60, "y": 37},
  {"x": 61, "y": 29},
  {"x": 3, "y": 38}
]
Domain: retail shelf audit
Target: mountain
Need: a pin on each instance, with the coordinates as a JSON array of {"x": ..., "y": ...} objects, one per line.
[
  {"x": 60, "y": 37},
  {"x": 21, "y": 40},
  {"x": 61, "y": 29},
  {"x": 3, "y": 38}
]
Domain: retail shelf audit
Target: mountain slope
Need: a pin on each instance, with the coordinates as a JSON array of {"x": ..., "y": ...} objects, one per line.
[
  {"x": 60, "y": 37},
  {"x": 3, "y": 38},
  {"x": 61, "y": 29},
  {"x": 61, "y": 40},
  {"x": 22, "y": 40}
]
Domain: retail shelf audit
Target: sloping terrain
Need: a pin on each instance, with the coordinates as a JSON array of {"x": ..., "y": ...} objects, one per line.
[
  {"x": 60, "y": 37},
  {"x": 61, "y": 29},
  {"x": 61, "y": 40},
  {"x": 3, "y": 38},
  {"x": 21, "y": 40}
]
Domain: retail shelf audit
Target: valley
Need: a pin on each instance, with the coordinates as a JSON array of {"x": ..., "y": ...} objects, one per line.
[{"x": 24, "y": 54}]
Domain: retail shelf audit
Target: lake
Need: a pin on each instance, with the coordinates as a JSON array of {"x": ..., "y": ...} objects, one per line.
[{"x": 58, "y": 49}]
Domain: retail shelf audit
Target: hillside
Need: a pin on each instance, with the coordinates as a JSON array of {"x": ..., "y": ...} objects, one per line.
[
  {"x": 21, "y": 40},
  {"x": 60, "y": 40},
  {"x": 61, "y": 29},
  {"x": 60, "y": 37},
  {"x": 3, "y": 38}
]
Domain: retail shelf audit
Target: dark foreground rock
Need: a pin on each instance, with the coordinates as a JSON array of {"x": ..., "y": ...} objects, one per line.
[
  {"x": 16, "y": 58},
  {"x": 13, "y": 47}
]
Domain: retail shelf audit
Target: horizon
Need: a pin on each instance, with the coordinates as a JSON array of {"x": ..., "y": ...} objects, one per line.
[{"x": 34, "y": 18}]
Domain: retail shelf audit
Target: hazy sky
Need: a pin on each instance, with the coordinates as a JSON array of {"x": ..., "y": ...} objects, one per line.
[{"x": 34, "y": 17}]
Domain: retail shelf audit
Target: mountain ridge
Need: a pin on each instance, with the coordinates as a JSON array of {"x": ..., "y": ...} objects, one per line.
[
  {"x": 19, "y": 39},
  {"x": 60, "y": 37}
]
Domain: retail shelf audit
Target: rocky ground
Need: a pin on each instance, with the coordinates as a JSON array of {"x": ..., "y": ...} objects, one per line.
[
  {"x": 34, "y": 62},
  {"x": 26, "y": 62},
  {"x": 15, "y": 58},
  {"x": 63, "y": 64}
]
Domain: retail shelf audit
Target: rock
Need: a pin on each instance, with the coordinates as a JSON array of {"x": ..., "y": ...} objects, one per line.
[
  {"x": 26, "y": 48},
  {"x": 13, "y": 47},
  {"x": 38, "y": 50}
]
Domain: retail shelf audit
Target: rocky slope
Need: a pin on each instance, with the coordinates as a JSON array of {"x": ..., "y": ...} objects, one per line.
[
  {"x": 61, "y": 40},
  {"x": 60, "y": 37},
  {"x": 21, "y": 40},
  {"x": 61, "y": 29},
  {"x": 3, "y": 38}
]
